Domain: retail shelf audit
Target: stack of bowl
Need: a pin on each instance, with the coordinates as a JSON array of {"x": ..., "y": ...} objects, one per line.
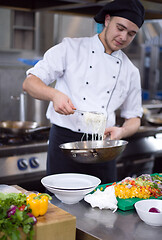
[{"x": 70, "y": 188}]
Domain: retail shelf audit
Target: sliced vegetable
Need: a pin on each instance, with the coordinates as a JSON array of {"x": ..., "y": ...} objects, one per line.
[
  {"x": 154, "y": 210},
  {"x": 11, "y": 211},
  {"x": 144, "y": 186},
  {"x": 33, "y": 217},
  {"x": 23, "y": 207}
]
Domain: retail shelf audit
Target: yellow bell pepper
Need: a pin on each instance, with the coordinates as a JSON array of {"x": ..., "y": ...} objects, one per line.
[{"x": 38, "y": 203}]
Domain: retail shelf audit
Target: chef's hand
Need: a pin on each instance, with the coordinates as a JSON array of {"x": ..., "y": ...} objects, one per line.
[
  {"x": 129, "y": 127},
  {"x": 62, "y": 103},
  {"x": 39, "y": 90},
  {"x": 113, "y": 133}
]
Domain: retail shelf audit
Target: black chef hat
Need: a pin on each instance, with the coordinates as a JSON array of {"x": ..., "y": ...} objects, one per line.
[{"x": 132, "y": 10}]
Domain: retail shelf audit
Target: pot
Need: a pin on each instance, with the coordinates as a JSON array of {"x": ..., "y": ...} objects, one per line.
[
  {"x": 37, "y": 111},
  {"x": 20, "y": 127},
  {"x": 94, "y": 151}
]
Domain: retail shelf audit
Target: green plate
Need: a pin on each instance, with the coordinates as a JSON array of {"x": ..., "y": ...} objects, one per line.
[{"x": 127, "y": 204}]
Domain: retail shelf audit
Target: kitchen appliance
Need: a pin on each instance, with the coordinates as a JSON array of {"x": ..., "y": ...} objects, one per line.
[{"x": 23, "y": 159}]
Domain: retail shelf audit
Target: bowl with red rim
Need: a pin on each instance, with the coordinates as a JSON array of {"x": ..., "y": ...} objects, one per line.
[{"x": 150, "y": 211}]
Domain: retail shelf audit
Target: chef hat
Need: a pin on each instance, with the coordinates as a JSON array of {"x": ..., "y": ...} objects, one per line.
[{"x": 132, "y": 10}]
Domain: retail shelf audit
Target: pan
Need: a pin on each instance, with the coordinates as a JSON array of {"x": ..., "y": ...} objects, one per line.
[
  {"x": 94, "y": 151},
  {"x": 154, "y": 119},
  {"x": 20, "y": 127}
]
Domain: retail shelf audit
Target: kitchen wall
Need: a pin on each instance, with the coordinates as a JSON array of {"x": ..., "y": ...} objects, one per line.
[
  {"x": 72, "y": 26},
  {"x": 49, "y": 30},
  {"x": 13, "y": 71}
]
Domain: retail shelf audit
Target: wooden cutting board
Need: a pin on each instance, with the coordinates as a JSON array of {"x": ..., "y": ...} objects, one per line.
[{"x": 56, "y": 224}]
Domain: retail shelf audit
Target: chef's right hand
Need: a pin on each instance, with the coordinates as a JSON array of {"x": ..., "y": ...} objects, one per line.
[{"x": 62, "y": 103}]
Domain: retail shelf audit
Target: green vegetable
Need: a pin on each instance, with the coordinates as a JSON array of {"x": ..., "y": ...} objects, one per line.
[
  {"x": 154, "y": 181},
  {"x": 9, "y": 226},
  {"x": 17, "y": 199}
]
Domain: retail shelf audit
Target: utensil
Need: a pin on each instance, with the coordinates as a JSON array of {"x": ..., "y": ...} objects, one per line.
[
  {"x": 154, "y": 119},
  {"x": 69, "y": 196},
  {"x": 142, "y": 207},
  {"x": 83, "y": 111},
  {"x": 70, "y": 188},
  {"x": 20, "y": 127},
  {"x": 94, "y": 151},
  {"x": 70, "y": 181}
]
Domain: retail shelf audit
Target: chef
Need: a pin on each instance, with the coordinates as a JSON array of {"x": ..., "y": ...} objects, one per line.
[{"x": 92, "y": 74}]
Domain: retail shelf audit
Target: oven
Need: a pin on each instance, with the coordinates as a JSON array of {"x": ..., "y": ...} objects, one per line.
[{"x": 23, "y": 160}]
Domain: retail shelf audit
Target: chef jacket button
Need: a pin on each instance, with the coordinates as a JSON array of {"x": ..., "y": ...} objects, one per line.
[
  {"x": 113, "y": 76},
  {"x": 90, "y": 66},
  {"x": 108, "y": 91},
  {"x": 117, "y": 62},
  {"x": 92, "y": 51},
  {"x": 78, "y": 130},
  {"x": 103, "y": 106},
  {"x": 87, "y": 82},
  {"x": 84, "y": 98}
]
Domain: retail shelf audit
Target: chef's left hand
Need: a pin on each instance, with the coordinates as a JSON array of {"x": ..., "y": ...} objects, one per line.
[
  {"x": 129, "y": 127},
  {"x": 113, "y": 133}
]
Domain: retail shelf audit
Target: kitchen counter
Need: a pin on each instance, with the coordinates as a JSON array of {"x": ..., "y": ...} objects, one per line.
[{"x": 94, "y": 224}]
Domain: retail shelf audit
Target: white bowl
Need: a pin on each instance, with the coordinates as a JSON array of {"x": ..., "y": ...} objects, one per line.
[
  {"x": 70, "y": 181},
  {"x": 142, "y": 207},
  {"x": 70, "y": 196},
  {"x": 70, "y": 188}
]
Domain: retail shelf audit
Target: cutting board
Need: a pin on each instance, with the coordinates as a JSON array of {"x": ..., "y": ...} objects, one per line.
[
  {"x": 127, "y": 204},
  {"x": 56, "y": 224}
]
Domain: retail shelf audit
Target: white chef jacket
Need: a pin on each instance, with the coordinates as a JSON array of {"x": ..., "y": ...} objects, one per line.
[{"x": 92, "y": 79}]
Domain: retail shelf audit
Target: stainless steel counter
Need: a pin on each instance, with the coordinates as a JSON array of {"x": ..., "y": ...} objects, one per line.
[{"x": 96, "y": 224}]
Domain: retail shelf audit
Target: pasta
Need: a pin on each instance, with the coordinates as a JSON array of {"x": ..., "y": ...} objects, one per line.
[{"x": 96, "y": 124}]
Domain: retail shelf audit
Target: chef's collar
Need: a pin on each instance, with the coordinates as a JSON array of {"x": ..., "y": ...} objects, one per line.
[
  {"x": 98, "y": 44},
  {"x": 132, "y": 10}
]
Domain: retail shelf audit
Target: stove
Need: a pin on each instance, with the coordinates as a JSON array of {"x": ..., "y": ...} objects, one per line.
[{"x": 23, "y": 160}]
